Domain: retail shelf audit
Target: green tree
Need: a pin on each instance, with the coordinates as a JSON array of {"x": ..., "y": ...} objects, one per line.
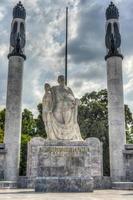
[
  {"x": 1, "y": 135},
  {"x": 28, "y": 131},
  {"x": 2, "y": 125},
  {"x": 25, "y": 138},
  {"x": 28, "y": 123},
  {"x": 129, "y": 125},
  {"x": 40, "y": 127}
]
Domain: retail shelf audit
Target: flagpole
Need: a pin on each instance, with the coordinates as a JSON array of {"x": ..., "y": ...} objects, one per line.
[{"x": 66, "y": 48}]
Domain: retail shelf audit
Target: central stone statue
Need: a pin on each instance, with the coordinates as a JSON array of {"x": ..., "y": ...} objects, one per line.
[{"x": 60, "y": 112}]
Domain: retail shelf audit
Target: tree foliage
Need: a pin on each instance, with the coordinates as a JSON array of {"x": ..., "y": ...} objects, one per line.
[
  {"x": 28, "y": 123},
  {"x": 40, "y": 127},
  {"x": 2, "y": 125}
]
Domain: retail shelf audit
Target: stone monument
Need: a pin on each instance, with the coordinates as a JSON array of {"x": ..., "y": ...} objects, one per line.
[
  {"x": 64, "y": 162},
  {"x": 60, "y": 112},
  {"x": 116, "y": 117},
  {"x": 16, "y": 58}
]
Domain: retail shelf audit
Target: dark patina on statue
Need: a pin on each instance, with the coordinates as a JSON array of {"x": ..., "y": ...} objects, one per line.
[
  {"x": 113, "y": 37},
  {"x": 17, "y": 37}
]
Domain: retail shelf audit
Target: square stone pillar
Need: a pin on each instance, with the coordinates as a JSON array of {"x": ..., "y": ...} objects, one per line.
[
  {"x": 116, "y": 117},
  {"x": 12, "y": 136}
]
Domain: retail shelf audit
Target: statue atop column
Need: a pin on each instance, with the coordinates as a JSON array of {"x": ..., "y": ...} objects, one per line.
[
  {"x": 113, "y": 37},
  {"x": 17, "y": 36},
  {"x": 60, "y": 112}
]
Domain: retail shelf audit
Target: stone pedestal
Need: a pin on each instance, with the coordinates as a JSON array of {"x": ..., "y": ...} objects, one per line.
[
  {"x": 36, "y": 150},
  {"x": 64, "y": 166},
  {"x": 64, "y": 184},
  {"x": 13, "y": 118},
  {"x": 116, "y": 117}
]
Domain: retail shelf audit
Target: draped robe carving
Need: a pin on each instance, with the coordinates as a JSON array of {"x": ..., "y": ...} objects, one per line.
[{"x": 60, "y": 114}]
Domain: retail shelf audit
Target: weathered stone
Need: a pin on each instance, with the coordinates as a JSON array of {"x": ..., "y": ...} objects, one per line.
[
  {"x": 59, "y": 159},
  {"x": 63, "y": 184},
  {"x": 116, "y": 117},
  {"x": 128, "y": 161},
  {"x": 103, "y": 182},
  {"x": 2, "y": 161},
  {"x": 8, "y": 184},
  {"x": 62, "y": 163},
  {"x": 96, "y": 153},
  {"x": 59, "y": 112},
  {"x": 69, "y": 160},
  {"x": 32, "y": 156},
  {"x": 12, "y": 138},
  {"x": 122, "y": 185},
  {"x": 129, "y": 146}
]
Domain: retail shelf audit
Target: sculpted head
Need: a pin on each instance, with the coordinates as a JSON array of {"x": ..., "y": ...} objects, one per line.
[
  {"x": 47, "y": 87},
  {"x": 61, "y": 80}
]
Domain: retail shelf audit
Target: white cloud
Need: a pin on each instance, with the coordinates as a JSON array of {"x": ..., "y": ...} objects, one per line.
[
  {"x": 2, "y": 12},
  {"x": 3, "y": 50},
  {"x": 128, "y": 66}
]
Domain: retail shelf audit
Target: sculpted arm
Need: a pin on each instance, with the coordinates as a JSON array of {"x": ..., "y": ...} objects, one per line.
[{"x": 53, "y": 93}]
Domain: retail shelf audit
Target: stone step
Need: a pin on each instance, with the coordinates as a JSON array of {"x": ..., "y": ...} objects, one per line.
[
  {"x": 8, "y": 184},
  {"x": 64, "y": 184},
  {"x": 122, "y": 185}
]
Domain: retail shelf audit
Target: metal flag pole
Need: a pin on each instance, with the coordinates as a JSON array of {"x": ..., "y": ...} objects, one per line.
[{"x": 66, "y": 51}]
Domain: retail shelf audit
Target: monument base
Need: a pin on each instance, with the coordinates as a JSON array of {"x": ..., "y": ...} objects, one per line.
[
  {"x": 64, "y": 184},
  {"x": 64, "y": 166}
]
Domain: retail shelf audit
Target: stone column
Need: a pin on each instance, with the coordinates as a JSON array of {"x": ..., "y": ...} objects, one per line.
[
  {"x": 13, "y": 117},
  {"x": 116, "y": 115},
  {"x": 12, "y": 138}
]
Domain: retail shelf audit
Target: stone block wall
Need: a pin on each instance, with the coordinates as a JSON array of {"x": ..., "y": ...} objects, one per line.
[
  {"x": 64, "y": 158},
  {"x": 2, "y": 161},
  {"x": 32, "y": 159},
  {"x": 96, "y": 152},
  {"x": 37, "y": 143},
  {"x": 128, "y": 160}
]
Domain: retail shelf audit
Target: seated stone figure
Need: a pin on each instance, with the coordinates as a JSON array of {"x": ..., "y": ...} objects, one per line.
[{"x": 60, "y": 112}]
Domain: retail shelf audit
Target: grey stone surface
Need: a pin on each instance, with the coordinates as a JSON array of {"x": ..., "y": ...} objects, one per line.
[
  {"x": 25, "y": 182},
  {"x": 116, "y": 117},
  {"x": 128, "y": 158},
  {"x": 48, "y": 158},
  {"x": 22, "y": 182},
  {"x": 129, "y": 146},
  {"x": 37, "y": 143},
  {"x": 96, "y": 153},
  {"x": 28, "y": 194},
  {"x": 64, "y": 184},
  {"x": 12, "y": 137},
  {"x": 103, "y": 182},
  {"x": 32, "y": 159},
  {"x": 8, "y": 184},
  {"x": 122, "y": 185},
  {"x": 2, "y": 161},
  {"x": 68, "y": 160}
]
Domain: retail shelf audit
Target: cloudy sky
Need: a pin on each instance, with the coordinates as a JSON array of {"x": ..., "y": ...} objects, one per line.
[{"x": 45, "y": 26}]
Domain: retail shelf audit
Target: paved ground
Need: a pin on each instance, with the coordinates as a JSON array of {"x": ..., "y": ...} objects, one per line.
[{"x": 96, "y": 195}]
